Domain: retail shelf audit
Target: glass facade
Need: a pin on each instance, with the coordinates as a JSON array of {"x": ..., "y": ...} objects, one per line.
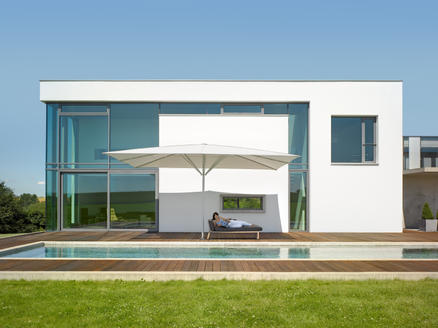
[
  {"x": 51, "y": 199},
  {"x": 429, "y": 152},
  {"x": 87, "y": 190},
  {"x": 132, "y": 201},
  {"x": 420, "y": 152},
  {"x": 169, "y": 108},
  {"x": 51, "y": 133},
  {"x": 242, "y": 109},
  {"x": 353, "y": 139},
  {"x": 275, "y": 109},
  {"x": 299, "y": 168},
  {"x": 298, "y": 134},
  {"x": 298, "y": 200},
  {"x": 405, "y": 153},
  {"x": 83, "y": 140},
  {"x": 77, "y": 136},
  {"x": 84, "y": 200}
]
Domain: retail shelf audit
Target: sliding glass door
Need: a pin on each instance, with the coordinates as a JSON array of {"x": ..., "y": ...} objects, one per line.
[
  {"x": 84, "y": 200},
  {"x": 132, "y": 201},
  {"x": 101, "y": 200}
]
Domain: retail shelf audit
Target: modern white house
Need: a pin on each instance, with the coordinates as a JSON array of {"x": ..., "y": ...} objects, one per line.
[{"x": 348, "y": 136}]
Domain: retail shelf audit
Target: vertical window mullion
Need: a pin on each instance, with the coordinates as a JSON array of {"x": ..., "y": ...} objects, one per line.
[
  {"x": 363, "y": 139},
  {"x": 375, "y": 139}
]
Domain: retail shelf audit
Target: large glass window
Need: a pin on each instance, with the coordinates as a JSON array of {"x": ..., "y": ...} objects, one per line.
[
  {"x": 133, "y": 126},
  {"x": 275, "y": 108},
  {"x": 84, "y": 139},
  {"x": 353, "y": 139},
  {"x": 84, "y": 108},
  {"x": 298, "y": 200},
  {"x": 298, "y": 134},
  {"x": 169, "y": 108},
  {"x": 242, "y": 108},
  {"x": 248, "y": 203},
  {"x": 132, "y": 201},
  {"x": 429, "y": 151},
  {"x": 84, "y": 200},
  {"x": 51, "y": 133},
  {"x": 51, "y": 200},
  {"x": 405, "y": 153}
]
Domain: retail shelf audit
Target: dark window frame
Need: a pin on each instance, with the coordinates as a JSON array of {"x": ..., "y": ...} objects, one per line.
[
  {"x": 364, "y": 144},
  {"x": 242, "y": 210}
]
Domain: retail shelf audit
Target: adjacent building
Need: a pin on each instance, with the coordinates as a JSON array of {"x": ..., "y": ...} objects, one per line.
[
  {"x": 420, "y": 177},
  {"x": 348, "y": 135}
]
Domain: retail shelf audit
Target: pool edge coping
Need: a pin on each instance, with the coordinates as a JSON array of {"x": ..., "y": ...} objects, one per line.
[
  {"x": 32, "y": 245},
  {"x": 188, "y": 276}
]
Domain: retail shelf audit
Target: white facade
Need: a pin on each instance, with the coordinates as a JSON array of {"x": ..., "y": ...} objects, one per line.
[{"x": 342, "y": 197}]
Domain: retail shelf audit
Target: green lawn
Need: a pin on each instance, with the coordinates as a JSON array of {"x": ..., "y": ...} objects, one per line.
[{"x": 219, "y": 304}]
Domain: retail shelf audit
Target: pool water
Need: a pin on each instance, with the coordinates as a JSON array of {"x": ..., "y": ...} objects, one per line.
[{"x": 228, "y": 252}]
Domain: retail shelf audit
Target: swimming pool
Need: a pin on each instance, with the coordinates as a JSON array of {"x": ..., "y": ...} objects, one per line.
[{"x": 83, "y": 250}]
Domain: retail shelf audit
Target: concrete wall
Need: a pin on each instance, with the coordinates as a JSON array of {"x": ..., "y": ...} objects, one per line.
[
  {"x": 418, "y": 189},
  {"x": 185, "y": 212}
]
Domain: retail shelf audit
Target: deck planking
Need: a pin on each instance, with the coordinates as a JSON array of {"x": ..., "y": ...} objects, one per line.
[{"x": 219, "y": 265}]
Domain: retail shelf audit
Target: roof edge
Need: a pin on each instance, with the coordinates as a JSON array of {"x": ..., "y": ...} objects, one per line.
[{"x": 219, "y": 80}]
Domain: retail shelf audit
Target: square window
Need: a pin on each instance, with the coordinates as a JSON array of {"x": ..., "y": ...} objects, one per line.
[{"x": 353, "y": 139}]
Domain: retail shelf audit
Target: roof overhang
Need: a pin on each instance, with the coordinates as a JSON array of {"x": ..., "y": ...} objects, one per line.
[
  {"x": 204, "y": 90},
  {"x": 420, "y": 171}
]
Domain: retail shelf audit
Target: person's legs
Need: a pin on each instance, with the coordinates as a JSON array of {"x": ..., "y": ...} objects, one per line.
[
  {"x": 243, "y": 223},
  {"x": 235, "y": 224}
]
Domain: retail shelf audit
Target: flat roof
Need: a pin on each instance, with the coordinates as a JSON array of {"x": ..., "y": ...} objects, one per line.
[{"x": 212, "y": 90}]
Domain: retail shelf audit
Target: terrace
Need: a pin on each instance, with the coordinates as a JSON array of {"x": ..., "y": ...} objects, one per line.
[{"x": 164, "y": 269}]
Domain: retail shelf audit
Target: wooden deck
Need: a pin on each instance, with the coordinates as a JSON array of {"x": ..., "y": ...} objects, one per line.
[
  {"x": 219, "y": 265},
  {"x": 411, "y": 236}
]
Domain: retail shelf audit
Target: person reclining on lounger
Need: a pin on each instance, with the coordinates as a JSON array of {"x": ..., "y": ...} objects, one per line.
[{"x": 228, "y": 222}]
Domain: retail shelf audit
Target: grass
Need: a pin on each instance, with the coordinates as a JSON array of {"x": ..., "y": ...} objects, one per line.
[{"x": 219, "y": 304}]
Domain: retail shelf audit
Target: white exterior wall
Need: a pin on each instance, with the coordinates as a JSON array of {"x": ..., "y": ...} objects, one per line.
[
  {"x": 342, "y": 198},
  {"x": 263, "y": 132}
]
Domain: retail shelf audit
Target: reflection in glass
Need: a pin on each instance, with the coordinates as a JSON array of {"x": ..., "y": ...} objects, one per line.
[
  {"x": 85, "y": 200},
  {"x": 298, "y": 200},
  {"x": 84, "y": 108},
  {"x": 346, "y": 140},
  {"x": 242, "y": 109},
  {"x": 51, "y": 200},
  {"x": 84, "y": 139},
  {"x": 51, "y": 133},
  {"x": 429, "y": 151},
  {"x": 172, "y": 108},
  {"x": 250, "y": 203},
  {"x": 133, "y": 126},
  {"x": 275, "y": 108},
  {"x": 132, "y": 199},
  {"x": 298, "y": 134},
  {"x": 229, "y": 203}
]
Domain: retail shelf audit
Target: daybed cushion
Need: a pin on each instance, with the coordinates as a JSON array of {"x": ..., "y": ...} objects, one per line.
[{"x": 252, "y": 227}]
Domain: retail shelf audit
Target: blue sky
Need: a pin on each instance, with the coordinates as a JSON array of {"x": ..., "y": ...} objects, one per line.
[{"x": 205, "y": 40}]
